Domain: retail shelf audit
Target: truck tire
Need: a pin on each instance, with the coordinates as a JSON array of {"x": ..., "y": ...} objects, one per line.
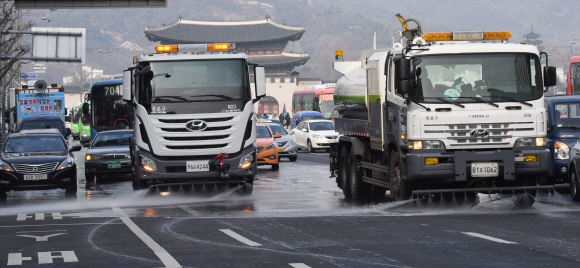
[
  {"x": 400, "y": 190},
  {"x": 574, "y": 184},
  {"x": 344, "y": 171},
  {"x": 359, "y": 190}
]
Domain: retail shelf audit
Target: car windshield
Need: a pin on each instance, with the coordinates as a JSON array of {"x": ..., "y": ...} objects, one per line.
[
  {"x": 200, "y": 80},
  {"x": 43, "y": 124},
  {"x": 313, "y": 117},
  {"x": 112, "y": 139},
  {"x": 567, "y": 115},
  {"x": 277, "y": 129},
  {"x": 34, "y": 144},
  {"x": 319, "y": 126},
  {"x": 477, "y": 78},
  {"x": 263, "y": 132}
]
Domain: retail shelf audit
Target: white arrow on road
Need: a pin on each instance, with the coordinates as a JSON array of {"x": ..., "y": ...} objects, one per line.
[{"x": 41, "y": 238}]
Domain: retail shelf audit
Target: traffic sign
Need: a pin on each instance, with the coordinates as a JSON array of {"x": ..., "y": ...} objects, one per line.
[{"x": 29, "y": 76}]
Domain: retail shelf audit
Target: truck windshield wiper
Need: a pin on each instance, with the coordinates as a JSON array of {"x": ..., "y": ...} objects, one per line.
[
  {"x": 484, "y": 101},
  {"x": 214, "y": 95},
  {"x": 513, "y": 99},
  {"x": 158, "y": 98},
  {"x": 450, "y": 102}
]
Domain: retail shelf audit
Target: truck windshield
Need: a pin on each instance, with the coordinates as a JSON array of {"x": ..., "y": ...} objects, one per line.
[
  {"x": 476, "y": 77},
  {"x": 200, "y": 80},
  {"x": 575, "y": 78},
  {"x": 75, "y": 115},
  {"x": 567, "y": 115},
  {"x": 109, "y": 111}
]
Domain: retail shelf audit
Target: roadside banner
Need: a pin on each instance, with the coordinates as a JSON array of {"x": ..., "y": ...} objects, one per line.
[{"x": 40, "y": 104}]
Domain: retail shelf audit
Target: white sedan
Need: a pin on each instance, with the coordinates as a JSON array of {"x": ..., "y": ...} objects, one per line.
[{"x": 315, "y": 134}]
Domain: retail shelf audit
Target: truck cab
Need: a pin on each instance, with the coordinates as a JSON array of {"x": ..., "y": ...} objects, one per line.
[{"x": 563, "y": 132}]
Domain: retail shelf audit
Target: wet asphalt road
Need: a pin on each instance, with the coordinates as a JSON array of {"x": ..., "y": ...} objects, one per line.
[{"x": 297, "y": 217}]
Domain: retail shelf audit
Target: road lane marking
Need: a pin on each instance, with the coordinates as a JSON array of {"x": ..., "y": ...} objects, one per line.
[
  {"x": 161, "y": 253},
  {"x": 59, "y": 224},
  {"x": 299, "y": 265},
  {"x": 22, "y": 217},
  {"x": 39, "y": 216},
  {"x": 46, "y": 257},
  {"x": 240, "y": 238},
  {"x": 189, "y": 210},
  {"x": 16, "y": 259},
  {"x": 489, "y": 238},
  {"x": 41, "y": 238},
  {"x": 40, "y": 231}
]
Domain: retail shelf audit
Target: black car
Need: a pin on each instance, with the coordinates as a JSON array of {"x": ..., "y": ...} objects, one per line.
[
  {"x": 37, "y": 160},
  {"x": 108, "y": 153}
]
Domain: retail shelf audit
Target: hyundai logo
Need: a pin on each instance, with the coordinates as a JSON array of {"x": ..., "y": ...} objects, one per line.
[
  {"x": 479, "y": 133},
  {"x": 196, "y": 125},
  {"x": 34, "y": 169}
]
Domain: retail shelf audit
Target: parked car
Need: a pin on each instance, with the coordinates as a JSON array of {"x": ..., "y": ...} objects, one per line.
[
  {"x": 44, "y": 122},
  {"x": 315, "y": 134},
  {"x": 304, "y": 116},
  {"x": 108, "y": 154},
  {"x": 267, "y": 147},
  {"x": 563, "y": 131},
  {"x": 37, "y": 160},
  {"x": 286, "y": 145}
]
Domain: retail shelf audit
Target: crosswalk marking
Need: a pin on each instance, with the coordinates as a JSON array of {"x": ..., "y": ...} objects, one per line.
[{"x": 240, "y": 238}]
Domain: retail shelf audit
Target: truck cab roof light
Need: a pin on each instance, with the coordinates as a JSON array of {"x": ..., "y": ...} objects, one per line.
[
  {"x": 218, "y": 47},
  {"x": 165, "y": 49},
  {"x": 466, "y": 36},
  {"x": 192, "y": 48}
]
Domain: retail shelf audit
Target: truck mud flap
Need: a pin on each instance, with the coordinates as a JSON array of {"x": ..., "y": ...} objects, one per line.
[{"x": 499, "y": 190}]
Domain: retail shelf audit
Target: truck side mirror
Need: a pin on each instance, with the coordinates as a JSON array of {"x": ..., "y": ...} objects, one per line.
[
  {"x": 550, "y": 78},
  {"x": 127, "y": 85},
  {"x": 85, "y": 108},
  {"x": 260, "y": 77},
  {"x": 403, "y": 76}
]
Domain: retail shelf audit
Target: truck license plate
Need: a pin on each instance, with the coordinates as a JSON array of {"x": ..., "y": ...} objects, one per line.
[
  {"x": 112, "y": 165},
  {"x": 197, "y": 166},
  {"x": 484, "y": 169},
  {"x": 35, "y": 177}
]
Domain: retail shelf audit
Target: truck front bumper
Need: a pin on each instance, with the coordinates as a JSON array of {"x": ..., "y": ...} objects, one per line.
[
  {"x": 174, "y": 171},
  {"x": 457, "y": 164}
]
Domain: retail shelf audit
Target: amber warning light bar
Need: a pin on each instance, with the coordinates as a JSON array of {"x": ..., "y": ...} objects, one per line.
[
  {"x": 193, "y": 48},
  {"x": 466, "y": 36}
]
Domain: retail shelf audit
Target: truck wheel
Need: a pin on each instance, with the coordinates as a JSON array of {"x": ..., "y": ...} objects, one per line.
[
  {"x": 293, "y": 158},
  {"x": 344, "y": 172},
  {"x": 358, "y": 189},
  {"x": 310, "y": 149},
  {"x": 400, "y": 190},
  {"x": 574, "y": 184}
]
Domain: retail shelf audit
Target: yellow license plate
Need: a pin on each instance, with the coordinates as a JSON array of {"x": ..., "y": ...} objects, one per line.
[{"x": 280, "y": 149}]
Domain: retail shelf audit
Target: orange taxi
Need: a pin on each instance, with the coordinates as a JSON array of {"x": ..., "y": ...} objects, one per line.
[{"x": 267, "y": 146}]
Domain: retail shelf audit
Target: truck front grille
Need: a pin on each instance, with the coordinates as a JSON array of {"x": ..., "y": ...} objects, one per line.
[
  {"x": 500, "y": 133},
  {"x": 197, "y": 147}
]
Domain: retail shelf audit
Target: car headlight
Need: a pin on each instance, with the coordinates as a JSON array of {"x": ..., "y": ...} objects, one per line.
[
  {"x": 290, "y": 143},
  {"x": 148, "y": 164},
  {"x": 84, "y": 134},
  {"x": 425, "y": 145},
  {"x": 90, "y": 157},
  {"x": 4, "y": 166},
  {"x": 69, "y": 162},
  {"x": 530, "y": 142},
  {"x": 246, "y": 160},
  {"x": 318, "y": 137},
  {"x": 272, "y": 146},
  {"x": 561, "y": 151}
]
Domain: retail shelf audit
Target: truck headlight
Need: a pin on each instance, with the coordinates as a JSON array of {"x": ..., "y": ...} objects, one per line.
[
  {"x": 246, "y": 160},
  {"x": 90, "y": 157},
  {"x": 425, "y": 145},
  {"x": 69, "y": 162},
  {"x": 561, "y": 151},
  {"x": 147, "y": 163},
  {"x": 530, "y": 142},
  {"x": 271, "y": 146},
  {"x": 4, "y": 166}
]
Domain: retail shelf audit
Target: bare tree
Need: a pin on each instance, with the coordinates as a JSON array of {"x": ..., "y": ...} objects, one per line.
[{"x": 12, "y": 47}]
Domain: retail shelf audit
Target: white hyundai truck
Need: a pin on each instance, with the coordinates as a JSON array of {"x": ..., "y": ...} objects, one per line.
[
  {"x": 445, "y": 115},
  {"x": 194, "y": 121}
]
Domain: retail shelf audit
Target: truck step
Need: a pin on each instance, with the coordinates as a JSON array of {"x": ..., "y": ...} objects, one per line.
[
  {"x": 376, "y": 167},
  {"x": 381, "y": 183}
]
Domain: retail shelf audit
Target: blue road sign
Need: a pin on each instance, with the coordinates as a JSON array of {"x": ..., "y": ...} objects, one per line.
[{"x": 29, "y": 76}]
